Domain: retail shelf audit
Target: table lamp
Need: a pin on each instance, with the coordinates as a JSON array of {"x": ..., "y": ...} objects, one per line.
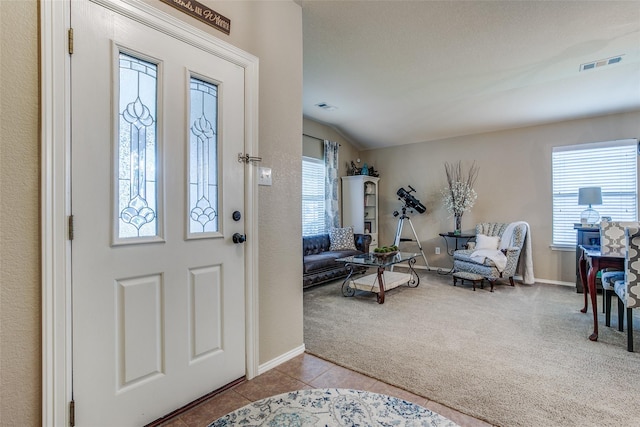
[{"x": 589, "y": 196}]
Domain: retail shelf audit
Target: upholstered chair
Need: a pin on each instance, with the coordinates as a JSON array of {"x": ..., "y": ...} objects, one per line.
[
  {"x": 608, "y": 279},
  {"x": 463, "y": 259},
  {"x": 628, "y": 289},
  {"x": 612, "y": 242}
]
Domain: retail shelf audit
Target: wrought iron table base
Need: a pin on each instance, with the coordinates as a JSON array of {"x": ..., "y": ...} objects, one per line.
[
  {"x": 393, "y": 279},
  {"x": 450, "y": 252}
]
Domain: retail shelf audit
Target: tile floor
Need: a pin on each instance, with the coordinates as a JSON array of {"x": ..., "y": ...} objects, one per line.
[{"x": 303, "y": 372}]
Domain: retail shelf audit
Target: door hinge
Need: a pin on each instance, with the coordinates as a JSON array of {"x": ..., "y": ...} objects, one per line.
[
  {"x": 70, "y": 227},
  {"x": 70, "y": 37},
  {"x": 72, "y": 413}
]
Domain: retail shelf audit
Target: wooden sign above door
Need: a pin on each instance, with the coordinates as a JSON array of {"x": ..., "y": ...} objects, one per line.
[{"x": 202, "y": 13}]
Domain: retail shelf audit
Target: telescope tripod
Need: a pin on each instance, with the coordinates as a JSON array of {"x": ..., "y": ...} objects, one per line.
[{"x": 399, "y": 238}]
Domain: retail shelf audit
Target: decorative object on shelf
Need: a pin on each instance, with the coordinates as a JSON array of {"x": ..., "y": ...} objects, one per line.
[
  {"x": 369, "y": 188},
  {"x": 459, "y": 196},
  {"x": 353, "y": 169},
  {"x": 589, "y": 196}
]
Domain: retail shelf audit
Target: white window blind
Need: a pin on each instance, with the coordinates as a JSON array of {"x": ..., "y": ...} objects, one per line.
[
  {"x": 612, "y": 166},
  {"x": 313, "y": 171}
]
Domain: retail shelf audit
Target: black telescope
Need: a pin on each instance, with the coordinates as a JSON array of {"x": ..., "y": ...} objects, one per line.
[{"x": 410, "y": 201}]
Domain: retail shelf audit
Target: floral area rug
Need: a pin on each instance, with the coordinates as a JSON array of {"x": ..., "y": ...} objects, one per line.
[{"x": 332, "y": 407}]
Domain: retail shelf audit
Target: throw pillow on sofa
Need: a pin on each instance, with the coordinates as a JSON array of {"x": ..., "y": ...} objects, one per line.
[
  {"x": 341, "y": 239},
  {"x": 487, "y": 242}
]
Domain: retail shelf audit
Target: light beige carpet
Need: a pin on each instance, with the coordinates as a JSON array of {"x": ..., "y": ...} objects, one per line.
[{"x": 519, "y": 356}]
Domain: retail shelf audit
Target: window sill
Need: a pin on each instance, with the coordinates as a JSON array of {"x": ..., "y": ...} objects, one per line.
[{"x": 563, "y": 248}]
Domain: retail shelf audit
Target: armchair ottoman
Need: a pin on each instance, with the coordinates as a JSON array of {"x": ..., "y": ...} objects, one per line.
[{"x": 471, "y": 277}]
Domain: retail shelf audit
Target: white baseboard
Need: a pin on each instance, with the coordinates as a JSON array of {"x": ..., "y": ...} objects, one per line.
[
  {"x": 517, "y": 278},
  {"x": 551, "y": 282},
  {"x": 280, "y": 359},
  {"x": 555, "y": 282}
]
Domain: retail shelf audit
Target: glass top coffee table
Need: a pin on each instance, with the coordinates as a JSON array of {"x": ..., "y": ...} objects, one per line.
[{"x": 383, "y": 280}]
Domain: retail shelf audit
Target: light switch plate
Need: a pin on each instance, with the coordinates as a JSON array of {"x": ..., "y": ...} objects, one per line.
[{"x": 264, "y": 176}]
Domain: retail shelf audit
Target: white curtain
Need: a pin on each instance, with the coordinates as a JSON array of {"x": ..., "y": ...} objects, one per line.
[{"x": 331, "y": 217}]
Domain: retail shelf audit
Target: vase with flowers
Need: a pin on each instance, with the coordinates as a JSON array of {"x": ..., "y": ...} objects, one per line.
[{"x": 459, "y": 195}]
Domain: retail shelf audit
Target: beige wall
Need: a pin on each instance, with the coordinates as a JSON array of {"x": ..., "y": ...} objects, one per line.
[
  {"x": 20, "y": 347},
  {"x": 347, "y": 151},
  {"x": 314, "y": 148},
  {"x": 270, "y": 30},
  {"x": 514, "y": 183}
]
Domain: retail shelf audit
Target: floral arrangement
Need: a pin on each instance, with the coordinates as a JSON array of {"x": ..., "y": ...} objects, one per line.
[{"x": 459, "y": 196}]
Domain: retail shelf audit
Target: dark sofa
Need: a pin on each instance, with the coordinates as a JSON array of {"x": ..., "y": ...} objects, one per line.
[{"x": 319, "y": 265}]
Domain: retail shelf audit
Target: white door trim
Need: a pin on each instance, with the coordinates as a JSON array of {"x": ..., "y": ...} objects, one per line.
[{"x": 55, "y": 188}]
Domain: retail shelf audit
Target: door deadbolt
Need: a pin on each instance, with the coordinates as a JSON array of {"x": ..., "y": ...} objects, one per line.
[{"x": 236, "y": 215}]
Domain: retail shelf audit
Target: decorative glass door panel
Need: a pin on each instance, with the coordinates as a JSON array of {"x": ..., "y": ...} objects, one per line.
[
  {"x": 137, "y": 148},
  {"x": 203, "y": 159}
]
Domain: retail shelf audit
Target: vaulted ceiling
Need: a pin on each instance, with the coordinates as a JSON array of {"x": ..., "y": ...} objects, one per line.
[{"x": 401, "y": 72}]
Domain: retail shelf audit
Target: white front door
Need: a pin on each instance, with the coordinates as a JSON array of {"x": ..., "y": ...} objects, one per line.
[{"x": 158, "y": 290}]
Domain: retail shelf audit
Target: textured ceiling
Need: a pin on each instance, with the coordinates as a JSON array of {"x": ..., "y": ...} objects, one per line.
[{"x": 401, "y": 72}]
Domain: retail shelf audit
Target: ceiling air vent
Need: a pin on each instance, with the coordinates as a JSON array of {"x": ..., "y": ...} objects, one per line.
[
  {"x": 326, "y": 106},
  {"x": 600, "y": 63}
]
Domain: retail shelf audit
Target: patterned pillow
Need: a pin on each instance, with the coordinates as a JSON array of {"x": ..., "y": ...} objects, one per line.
[{"x": 341, "y": 239}]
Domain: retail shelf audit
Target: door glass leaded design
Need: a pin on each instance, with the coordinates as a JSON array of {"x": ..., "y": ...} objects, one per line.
[
  {"x": 203, "y": 157},
  {"x": 137, "y": 148}
]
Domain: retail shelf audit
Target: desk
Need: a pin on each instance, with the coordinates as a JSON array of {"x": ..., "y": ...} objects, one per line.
[
  {"x": 457, "y": 238},
  {"x": 382, "y": 280},
  {"x": 597, "y": 261}
]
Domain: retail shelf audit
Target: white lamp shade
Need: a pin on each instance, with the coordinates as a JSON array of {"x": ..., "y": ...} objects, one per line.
[{"x": 590, "y": 196}]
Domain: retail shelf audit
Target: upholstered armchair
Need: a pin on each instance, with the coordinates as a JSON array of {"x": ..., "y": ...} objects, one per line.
[
  {"x": 612, "y": 242},
  {"x": 628, "y": 289},
  {"x": 493, "y": 257}
]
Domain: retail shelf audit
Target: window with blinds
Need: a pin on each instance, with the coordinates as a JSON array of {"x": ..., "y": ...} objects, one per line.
[
  {"x": 312, "y": 196},
  {"x": 612, "y": 166}
]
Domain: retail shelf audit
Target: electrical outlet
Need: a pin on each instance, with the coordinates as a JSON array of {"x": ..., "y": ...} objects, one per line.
[{"x": 437, "y": 250}]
